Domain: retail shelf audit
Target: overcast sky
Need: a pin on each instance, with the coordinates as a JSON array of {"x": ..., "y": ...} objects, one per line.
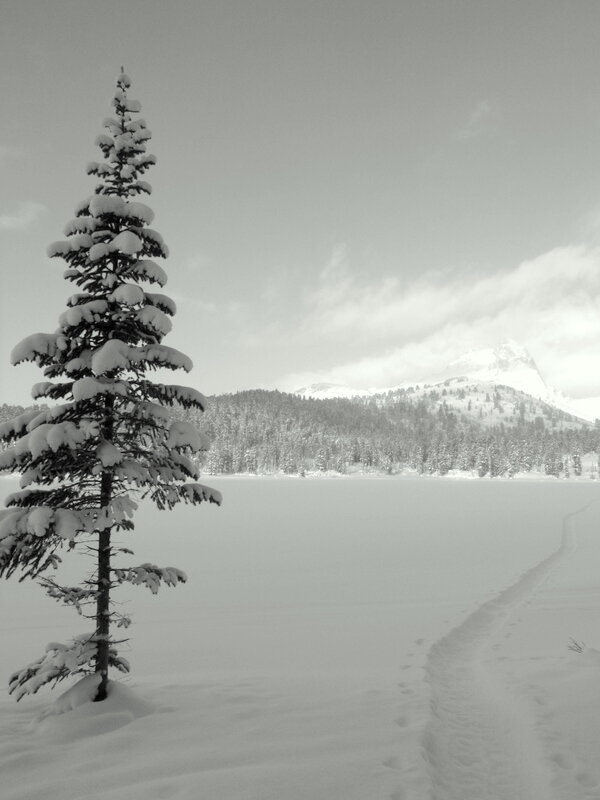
[{"x": 355, "y": 191}]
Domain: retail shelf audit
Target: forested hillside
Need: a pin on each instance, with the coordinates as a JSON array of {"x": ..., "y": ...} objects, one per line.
[
  {"x": 433, "y": 430},
  {"x": 269, "y": 431}
]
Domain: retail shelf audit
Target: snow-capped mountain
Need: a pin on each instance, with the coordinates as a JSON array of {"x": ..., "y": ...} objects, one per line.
[
  {"x": 507, "y": 364},
  {"x": 510, "y": 364}
]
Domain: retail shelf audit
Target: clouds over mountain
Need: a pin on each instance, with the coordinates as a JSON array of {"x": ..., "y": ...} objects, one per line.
[{"x": 550, "y": 303}]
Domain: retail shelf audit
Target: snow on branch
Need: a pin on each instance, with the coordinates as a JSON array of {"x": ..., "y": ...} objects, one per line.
[
  {"x": 76, "y": 657},
  {"x": 55, "y": 414},
  {"x": 54, "y": 391},
  {"x": 162, "y": 356},
  {"x": 90, "y": 312},
  {"x": 58, "y": 249},
  {"x": 130, "y": 294},
  {"x": 198, "y": 493},
  {"x": 139, "y": 212},
  {"x": 114, "y": 354},
  {"x": 169, "y": 394},
  {"x": 147, "y": 269},
  {"x": 155, "y": 319},
  {"x": 15, "y": 427},
  {"x": 118, "y": 512},
  {"x": 34, "y": 521},
  {"x": 183, "y": 467},
  {"x": 163, "y": 302},
  {"x": 184, "y": 435},
  {"x": 22, "y": 530},
  {"x": 37, "y": 347},
  {"x": 154, "y": 412},
  {"x": 27, "y": 551},
  {"x": 151, "y": 576},
  {"x": 155, "y": 239},
  {"x": 136, "y": 474},
  {"x": 157, "y": 474},
  {"x": 140, "y": 186},
  {"x": 83, "y": 224},
  {"x": 87, "y": 388},
  {"x": 108, "y": 454},
  {"x": 45, "y": 437},
  {"x": 117, "y": 354},
  {"x": 126, "y": 242},
  {"x": 29, "y": 536},
  {"x": 73, "y": 596},
  {"x": 102, "y": 205}
]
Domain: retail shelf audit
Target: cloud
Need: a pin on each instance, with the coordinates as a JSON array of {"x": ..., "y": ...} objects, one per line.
[
  {"x": 25, "y": 215},
  {"x": 551, "y": 304},
  {"x": 483, "y": 120},
  {"x": 8, "y": 151}
]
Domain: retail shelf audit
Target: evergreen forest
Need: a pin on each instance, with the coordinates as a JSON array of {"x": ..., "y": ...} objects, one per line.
[{"x": 268, "y": 432}]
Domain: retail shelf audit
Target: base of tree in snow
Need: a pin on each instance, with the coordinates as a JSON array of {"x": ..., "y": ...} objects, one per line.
[{"x": 76, "y": 713}]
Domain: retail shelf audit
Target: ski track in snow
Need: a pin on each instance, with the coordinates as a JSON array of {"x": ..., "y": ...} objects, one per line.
[{"x": 480, "y": 744}]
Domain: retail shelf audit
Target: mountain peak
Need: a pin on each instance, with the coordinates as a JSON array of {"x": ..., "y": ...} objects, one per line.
[
  {"x": 507, "y": 363},
  {"x": 506, "y": 356}
]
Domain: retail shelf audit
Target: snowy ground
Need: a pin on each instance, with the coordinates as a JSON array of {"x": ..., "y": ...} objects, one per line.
[{"x": 354, "y": 639}]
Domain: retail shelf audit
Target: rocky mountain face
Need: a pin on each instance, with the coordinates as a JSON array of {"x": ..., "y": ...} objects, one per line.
[{"x": 507, "y": 364}]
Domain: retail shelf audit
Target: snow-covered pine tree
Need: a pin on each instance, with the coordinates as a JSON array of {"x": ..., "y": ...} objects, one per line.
[{"x": 110, "y": 435}]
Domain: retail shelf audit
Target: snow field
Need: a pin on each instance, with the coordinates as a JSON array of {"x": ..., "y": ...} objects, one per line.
[
  {"x": 353, "y": 639},
  {"x": 557, "y": 687},
  {"x": 478, "y": 742}
]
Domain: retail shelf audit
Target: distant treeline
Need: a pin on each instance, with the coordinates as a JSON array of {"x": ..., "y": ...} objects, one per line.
[
  {"x": 268, "y": 431},
  {"x": 265, "y": 432}
]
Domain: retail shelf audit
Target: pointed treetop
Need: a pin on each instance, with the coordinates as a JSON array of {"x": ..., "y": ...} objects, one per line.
[{"x": 123, "y": 81}]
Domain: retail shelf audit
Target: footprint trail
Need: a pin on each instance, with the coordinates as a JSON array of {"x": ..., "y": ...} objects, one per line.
[{"x": 480, "y": 744}]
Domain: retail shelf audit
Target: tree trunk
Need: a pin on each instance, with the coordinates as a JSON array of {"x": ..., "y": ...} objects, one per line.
[
  {"x": 104, "y": 580},
  {"x": 103, "y": 612}
]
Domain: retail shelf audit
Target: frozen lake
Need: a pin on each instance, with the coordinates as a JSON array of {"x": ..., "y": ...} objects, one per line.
[
  {"x": 314, "y": 576},
  {"x": 315, "y": 603}
]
